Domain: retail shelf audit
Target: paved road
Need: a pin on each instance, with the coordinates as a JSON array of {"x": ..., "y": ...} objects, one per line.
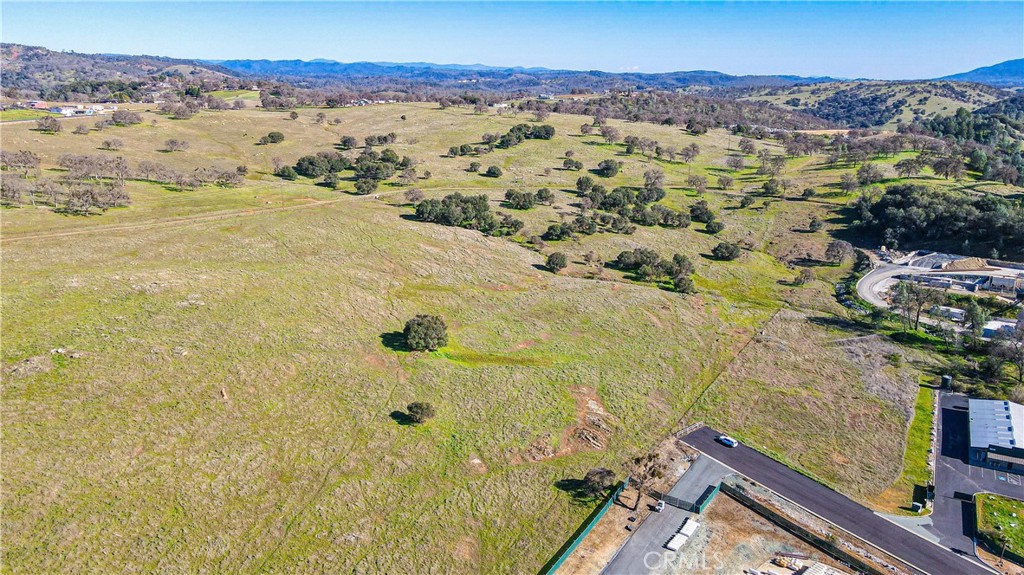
[
  {"x": 952, "y": 518},
  {"x": 835, "y": 507},
  {"x": 643, "y": 551}
]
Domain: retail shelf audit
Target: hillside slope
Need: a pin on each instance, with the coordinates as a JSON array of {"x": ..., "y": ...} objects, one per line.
[
  {"x": 1004, "y": 75},
  {"x": 38, "y": 71},
  {"x": 865, "y": 104}
]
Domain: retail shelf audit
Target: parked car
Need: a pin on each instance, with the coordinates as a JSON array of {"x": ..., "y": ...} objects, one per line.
[
  {"x": 727, "y": 441},
  {"x": 660, "y": 506}
]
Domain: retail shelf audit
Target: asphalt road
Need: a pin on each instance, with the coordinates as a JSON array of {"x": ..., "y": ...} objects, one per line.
[{"x": 835, "y": 507}]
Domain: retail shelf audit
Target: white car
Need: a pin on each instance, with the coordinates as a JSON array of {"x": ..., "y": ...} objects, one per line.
[
  {"x": 660, "y": 506},
  {"x": 727, "y": 441}
]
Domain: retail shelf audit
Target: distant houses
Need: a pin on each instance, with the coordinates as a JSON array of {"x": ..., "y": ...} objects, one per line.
[{"x": 80, "y": 110}]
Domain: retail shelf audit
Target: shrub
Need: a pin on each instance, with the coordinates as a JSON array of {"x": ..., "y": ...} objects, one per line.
[
  {"x": 557, "y": 262},
  {"x": 474, "y": 167},
  {"x": 714, "y": 226},
  {"x": 608, "y": 168},
  {"x": 420, "y": 411},
  {"x": 726, "y": 251},
  {"x": 286, "y": 172},
  {"x": 426, "y": 333},
  {"x": 125, "y": 118},
  {"x": 597, "y": 481},
  {"x": 493, "y": 172},
  {"x": 275, "y": 138}
]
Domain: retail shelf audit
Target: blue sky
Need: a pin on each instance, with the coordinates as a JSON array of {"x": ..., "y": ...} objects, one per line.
[{"x": 886, "y": 40}]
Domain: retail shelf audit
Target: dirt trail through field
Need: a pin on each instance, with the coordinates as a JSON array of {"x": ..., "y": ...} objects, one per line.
[{"x": 187, "y": 220}]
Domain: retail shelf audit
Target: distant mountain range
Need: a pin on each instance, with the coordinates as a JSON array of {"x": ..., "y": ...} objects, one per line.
[
  {"x": 479, "y": 76},
  {"x": 1004, "y": 75}
]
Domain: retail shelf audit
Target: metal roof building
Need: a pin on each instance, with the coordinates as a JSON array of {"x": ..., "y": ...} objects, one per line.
[{"x": 997, "y": 433}]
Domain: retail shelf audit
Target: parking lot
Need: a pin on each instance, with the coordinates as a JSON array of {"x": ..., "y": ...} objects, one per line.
[{"x": 956, "y": 481}]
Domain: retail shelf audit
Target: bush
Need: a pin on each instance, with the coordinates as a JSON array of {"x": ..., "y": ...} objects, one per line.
[
  {"x": 287, "y": 172},
  {"x": 420, "y": 412},
  {"x": 474, "y": 167},
  {"x": 426, "y": 333},
  {"x": 714, "y": 226},
  {"x": 493, "y": 172},
  {"x": 597, "y": 481},
  {"x": 557, "y": 232},
  {"x": 557, "y": 262},
  {"x": 608, "y": 168},
  {"x": 274, "y": 138},
  {"x": 125, "y": 118},
  {"x": 726, "y": 251}
]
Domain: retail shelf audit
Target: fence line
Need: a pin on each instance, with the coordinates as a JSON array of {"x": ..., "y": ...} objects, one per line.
[{"x": 581, "y": 533}]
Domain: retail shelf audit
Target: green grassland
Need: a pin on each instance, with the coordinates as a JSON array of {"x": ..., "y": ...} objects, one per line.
[
  {"x": 225, "y": 401},
  {"x": 249, "y": 95},
  {"x": 1000, "y": 519},
  {"x": 14, "y": 115}
]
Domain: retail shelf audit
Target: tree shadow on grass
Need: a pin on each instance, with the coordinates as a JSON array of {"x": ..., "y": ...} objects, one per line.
[
  {"x": 402, "y": 418},
  {"x": 577, "y": 489},
  {"x": 394, "y": 340},
  {"x": 836, "y": 322}
]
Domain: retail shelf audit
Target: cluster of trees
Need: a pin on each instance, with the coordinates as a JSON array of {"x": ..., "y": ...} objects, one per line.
[
  {"x": 858, "y": 109},
  {"x": 92, "y": 182},
  {"x": 522, "y": 132},
  {"x": 379, "y": 139},
  {"x": 96, "y": 91},
  {"x": 908, "y": 214},
  {"x": 272, "y": 138},
  {"x": 626, "y": 204},
  {"x": 471, "y": 212},
  {"x": 370, "y": 168},
  {"x": 520, "y": 200},
  {"x": 188, "y": 107},
  {"x": 911, "y": 300},
  {"x": 647, "y": 266},
  {"x": 989, "y": 139},
  {"x": 697, "y": 114}
]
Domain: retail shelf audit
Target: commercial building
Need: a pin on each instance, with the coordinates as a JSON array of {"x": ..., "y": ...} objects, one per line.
[{"x": 997, "y": 434}]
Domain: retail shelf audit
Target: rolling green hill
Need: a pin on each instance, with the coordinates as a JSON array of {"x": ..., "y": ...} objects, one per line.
[{"x": 879, "y": 104}]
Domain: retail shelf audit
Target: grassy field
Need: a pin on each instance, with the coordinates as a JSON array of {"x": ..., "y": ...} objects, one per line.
[
  {"x": 915, "y": 474},
  {"x": 14, "y": 115},
  {"x": 249, "y": 95},
  {"x": 1000, "y": 518},
  {"x": 225, "y": 399}
]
